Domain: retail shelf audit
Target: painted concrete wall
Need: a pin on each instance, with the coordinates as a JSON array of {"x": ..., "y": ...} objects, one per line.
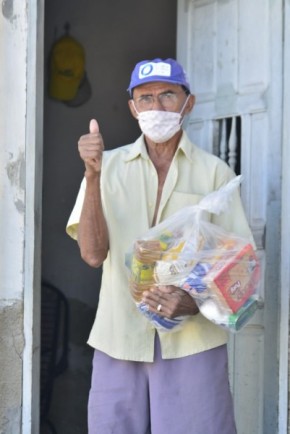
[
  {"x": 115, "y": 36},
  {"x": 13, "y": 28}
]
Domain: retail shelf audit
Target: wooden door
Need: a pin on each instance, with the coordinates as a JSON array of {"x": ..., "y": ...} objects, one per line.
[{"x": 232, "y": 53}]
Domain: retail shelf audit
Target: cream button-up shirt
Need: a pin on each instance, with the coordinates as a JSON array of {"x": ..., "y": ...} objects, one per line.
[{"x": 129, "y": 188}]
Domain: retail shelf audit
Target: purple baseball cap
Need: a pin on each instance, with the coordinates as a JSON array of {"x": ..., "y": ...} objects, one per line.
[{"x": 168, "y": 70}]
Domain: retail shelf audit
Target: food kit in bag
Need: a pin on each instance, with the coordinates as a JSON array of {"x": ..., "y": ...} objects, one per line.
[{"x": 220, "y": 270}]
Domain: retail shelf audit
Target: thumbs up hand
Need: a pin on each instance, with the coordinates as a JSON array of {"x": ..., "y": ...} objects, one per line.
[
  {"x": 91, "y": 147},
  {"x": 94, "y": 126}
]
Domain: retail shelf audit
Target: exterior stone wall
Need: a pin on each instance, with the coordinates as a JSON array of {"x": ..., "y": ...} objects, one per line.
[{"x": 11, "y": 350}]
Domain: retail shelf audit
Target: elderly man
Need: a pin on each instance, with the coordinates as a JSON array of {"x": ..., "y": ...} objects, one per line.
[{"x": 146, "y": 381}]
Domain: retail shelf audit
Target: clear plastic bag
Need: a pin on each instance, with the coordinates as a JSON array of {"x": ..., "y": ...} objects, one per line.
[{"x": 220, "y": 270}]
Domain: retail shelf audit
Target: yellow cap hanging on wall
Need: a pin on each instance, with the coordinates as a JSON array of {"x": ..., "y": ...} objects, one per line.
[{"x": 67, "y": 68}]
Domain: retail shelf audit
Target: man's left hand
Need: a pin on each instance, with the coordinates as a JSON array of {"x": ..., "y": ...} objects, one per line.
[{"x": 169, "y": 301}]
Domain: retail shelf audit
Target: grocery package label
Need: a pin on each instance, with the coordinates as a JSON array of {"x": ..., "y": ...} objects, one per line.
[{"x": 235, "y": 277}]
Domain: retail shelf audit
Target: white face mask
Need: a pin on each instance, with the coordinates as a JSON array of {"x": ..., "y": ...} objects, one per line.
[{"x": 160, "y": 126}]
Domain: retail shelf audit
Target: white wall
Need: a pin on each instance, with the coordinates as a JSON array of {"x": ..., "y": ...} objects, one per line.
[
  {"x": 12, "y": 147},
  {"x": 13, "y": 38}
]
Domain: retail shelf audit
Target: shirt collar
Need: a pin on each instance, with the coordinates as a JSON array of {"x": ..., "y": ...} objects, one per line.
[
  {"x": 186, "y": 146},
  {"x": 138, "y": 148}
]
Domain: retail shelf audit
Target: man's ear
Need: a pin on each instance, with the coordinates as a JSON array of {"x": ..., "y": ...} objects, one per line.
[
  {"x": 132, "y": 109},
  {"x": 190, "y": 104}
]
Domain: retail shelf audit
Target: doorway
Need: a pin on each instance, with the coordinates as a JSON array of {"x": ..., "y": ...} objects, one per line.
[{"x": 114, "y": 39}]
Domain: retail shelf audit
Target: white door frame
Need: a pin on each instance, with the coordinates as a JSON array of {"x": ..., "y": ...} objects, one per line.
[
  {"x": 33, "y": 200},
  {"x": 285, "y": 231}
]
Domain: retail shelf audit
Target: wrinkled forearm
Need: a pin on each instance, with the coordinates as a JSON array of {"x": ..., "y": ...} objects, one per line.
[{"x": 93, "y": 237}]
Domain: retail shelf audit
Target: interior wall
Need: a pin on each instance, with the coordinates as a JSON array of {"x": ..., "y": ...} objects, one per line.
[{"x": 115, "y": 36}]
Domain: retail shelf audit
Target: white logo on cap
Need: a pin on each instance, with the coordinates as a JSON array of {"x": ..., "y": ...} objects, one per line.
[{"x": 149, "y": 69}]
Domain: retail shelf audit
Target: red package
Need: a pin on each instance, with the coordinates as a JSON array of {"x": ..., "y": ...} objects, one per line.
[{"x": 235, "y": 276}]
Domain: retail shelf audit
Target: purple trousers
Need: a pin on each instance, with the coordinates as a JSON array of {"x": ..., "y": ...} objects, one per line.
[{"x": 189, "y": 395}]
